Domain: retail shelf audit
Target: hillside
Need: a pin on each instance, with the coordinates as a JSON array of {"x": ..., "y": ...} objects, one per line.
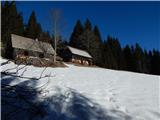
[{"x": 84, "y": 93}]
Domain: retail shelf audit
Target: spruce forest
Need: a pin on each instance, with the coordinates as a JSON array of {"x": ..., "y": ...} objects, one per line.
[{"x": 106, "y": 53}]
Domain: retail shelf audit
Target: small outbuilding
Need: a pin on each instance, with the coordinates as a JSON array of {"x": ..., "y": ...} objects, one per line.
[
  {"x": 24, "y": 46},
  {"x": 70, "y": 54}
]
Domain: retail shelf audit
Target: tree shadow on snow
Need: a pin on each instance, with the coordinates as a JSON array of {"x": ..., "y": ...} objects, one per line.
[
  {"x": 22, "y": 102},
  {"x": 75, "y": 106}
]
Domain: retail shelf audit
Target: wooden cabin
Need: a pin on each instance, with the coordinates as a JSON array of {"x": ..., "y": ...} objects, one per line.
[
  {"x": 24, "y": 47},
  {"x": 70, "y": 54}
]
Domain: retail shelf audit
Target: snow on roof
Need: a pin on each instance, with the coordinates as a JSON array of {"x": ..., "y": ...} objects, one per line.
[
  {"x": 30, "y": 44},
  {"x": 79, "y": 52}
]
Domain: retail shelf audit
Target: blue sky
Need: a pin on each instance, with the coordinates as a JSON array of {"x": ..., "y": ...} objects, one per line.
[{"x": 130, "y": 22}]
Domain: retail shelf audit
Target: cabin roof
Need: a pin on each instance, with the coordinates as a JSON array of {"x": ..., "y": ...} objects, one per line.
[
  {"x": 31, "y": 44},
  {"x": 79, "y": 52}
]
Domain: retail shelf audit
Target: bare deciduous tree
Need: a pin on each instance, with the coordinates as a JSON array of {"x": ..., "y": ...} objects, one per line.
[
  {"x": 57, "y": 26},
  {"x": 21, "y": 98},
  {"x": 55, "y": 14}
]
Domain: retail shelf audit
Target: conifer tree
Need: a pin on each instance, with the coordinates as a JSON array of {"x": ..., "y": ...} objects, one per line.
[
  {"x": 78, "y": 30},
  {"x": 33, "y": 29},
  {"x": 12, "y": 22},
  {"x": 128, "y": 58},
  {"x": 98, "y": 45},
  {"x": 88, "y": 26},
  {"x": 45, "y": 37},
  {"x": 139, "y": 58},
  {"x": 147, "y": 61},
  {"x": 86, "y": 37},
  {"x": 109, "y": 58},
  {"x": 155, "y": 62}
]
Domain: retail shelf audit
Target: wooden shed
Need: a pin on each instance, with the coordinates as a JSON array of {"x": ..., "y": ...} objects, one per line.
[
  {"x": 24, "y": 46},
  {"x": 75, "y": 55}
]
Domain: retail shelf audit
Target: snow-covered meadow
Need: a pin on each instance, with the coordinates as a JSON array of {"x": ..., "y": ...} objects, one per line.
[{"x": 88, "y": 93}]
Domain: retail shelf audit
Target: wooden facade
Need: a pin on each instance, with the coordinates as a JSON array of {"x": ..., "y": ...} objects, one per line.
[
  {"x": 21, "y": 53},
  {"x": 24, "y": 47},
  {"x": 69, "y": 55}
]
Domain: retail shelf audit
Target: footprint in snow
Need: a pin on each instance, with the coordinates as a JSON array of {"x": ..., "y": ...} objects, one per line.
[
  {"x": 112, "y": 99},
  {"x": 121, "y": 108}
]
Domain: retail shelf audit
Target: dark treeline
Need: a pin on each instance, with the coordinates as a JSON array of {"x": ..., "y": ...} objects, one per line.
[
  {"x": 109, "y": 53},
  {"x": 106, "y": 53}
]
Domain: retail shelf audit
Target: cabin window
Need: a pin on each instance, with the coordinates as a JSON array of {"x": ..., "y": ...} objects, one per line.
[
  {"x": 41, "y": 55},
  {"x": 26, "y": 53}
]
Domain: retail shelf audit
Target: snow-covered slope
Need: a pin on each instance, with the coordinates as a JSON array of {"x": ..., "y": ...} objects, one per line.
[{"x": 85, "y": 93}]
